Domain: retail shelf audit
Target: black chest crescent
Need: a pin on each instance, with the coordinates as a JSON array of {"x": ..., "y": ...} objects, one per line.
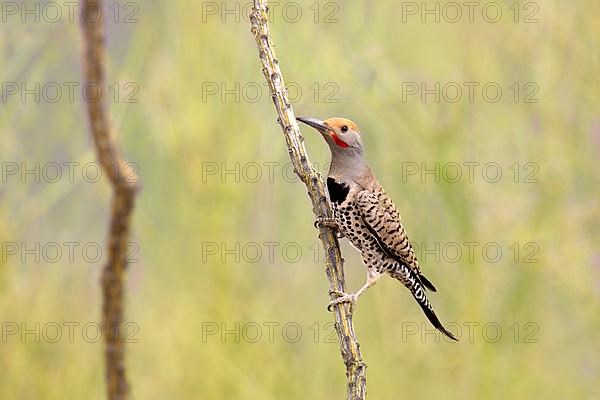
[{"x": 337, "y": 191}]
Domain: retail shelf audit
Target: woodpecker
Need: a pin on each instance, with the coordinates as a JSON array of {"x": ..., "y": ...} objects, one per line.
[{"x": 365, "y": 214}]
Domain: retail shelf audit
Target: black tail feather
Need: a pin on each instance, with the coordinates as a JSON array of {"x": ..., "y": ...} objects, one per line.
[
  {"x": 411, "y": 280},
  {"x": 435, "y": 321},
  {"x": 427, "y": 283}
]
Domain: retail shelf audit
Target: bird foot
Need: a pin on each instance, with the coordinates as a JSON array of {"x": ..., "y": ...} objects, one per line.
[
  {"x": 323, "y": 222},
  {"x": 329, "y": 223},
  {"x": 342, "y": 298}
]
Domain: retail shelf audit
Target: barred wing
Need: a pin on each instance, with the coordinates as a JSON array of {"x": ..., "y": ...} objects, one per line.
[{"x": 383, "y": 221}]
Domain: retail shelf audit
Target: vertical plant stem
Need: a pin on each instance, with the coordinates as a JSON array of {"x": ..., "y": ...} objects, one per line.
[{"x": 349, "y": 347}]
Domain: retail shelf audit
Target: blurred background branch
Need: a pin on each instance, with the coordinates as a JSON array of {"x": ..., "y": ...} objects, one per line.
[
  {"x": 124, "y": 190},
  {"x": 349, "y": 347}
]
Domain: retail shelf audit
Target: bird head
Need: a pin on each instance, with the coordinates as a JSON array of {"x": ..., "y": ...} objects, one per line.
[
  {"x": 345, "y": 144},
  {"x": 341, "y": 134}
]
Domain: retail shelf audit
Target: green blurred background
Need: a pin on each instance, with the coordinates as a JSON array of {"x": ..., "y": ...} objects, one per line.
[{"x": 227, "y": 292}]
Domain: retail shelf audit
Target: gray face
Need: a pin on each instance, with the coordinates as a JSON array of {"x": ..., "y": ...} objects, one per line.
[
  {"x": 339, "y": 133},
  {"x": 345, "y": 144}
]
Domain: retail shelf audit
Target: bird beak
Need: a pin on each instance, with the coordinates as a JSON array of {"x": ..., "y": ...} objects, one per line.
[{"x": 315, "y": 123}]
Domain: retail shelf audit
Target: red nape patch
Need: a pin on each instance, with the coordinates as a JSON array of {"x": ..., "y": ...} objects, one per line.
[{"x": 339, "y": 141}]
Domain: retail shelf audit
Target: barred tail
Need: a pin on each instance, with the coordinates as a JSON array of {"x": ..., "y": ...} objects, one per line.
[
  {"x": 435, "y": 321},
  {"x": 409, "y": 279}
]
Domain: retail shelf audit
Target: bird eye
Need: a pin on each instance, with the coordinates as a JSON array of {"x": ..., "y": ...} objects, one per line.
[{"x": 345, "y": 128}]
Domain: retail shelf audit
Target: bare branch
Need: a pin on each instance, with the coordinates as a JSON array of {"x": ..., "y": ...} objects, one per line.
[
  {"x": 349, "y": 347},
  {"x": 124, "y": 189}
]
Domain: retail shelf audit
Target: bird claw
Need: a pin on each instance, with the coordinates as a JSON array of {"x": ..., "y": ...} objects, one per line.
[
  {"x": 337, "y": 293},
  {"x": 322, "y": 222},
  {"x": 342, "y": 298}
]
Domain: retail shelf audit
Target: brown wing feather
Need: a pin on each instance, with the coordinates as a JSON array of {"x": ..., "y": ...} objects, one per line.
[{"x": 384, "y": 222}]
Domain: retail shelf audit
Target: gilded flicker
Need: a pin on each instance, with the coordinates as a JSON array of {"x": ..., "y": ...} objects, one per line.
[{"x": 366, "y": 215}]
